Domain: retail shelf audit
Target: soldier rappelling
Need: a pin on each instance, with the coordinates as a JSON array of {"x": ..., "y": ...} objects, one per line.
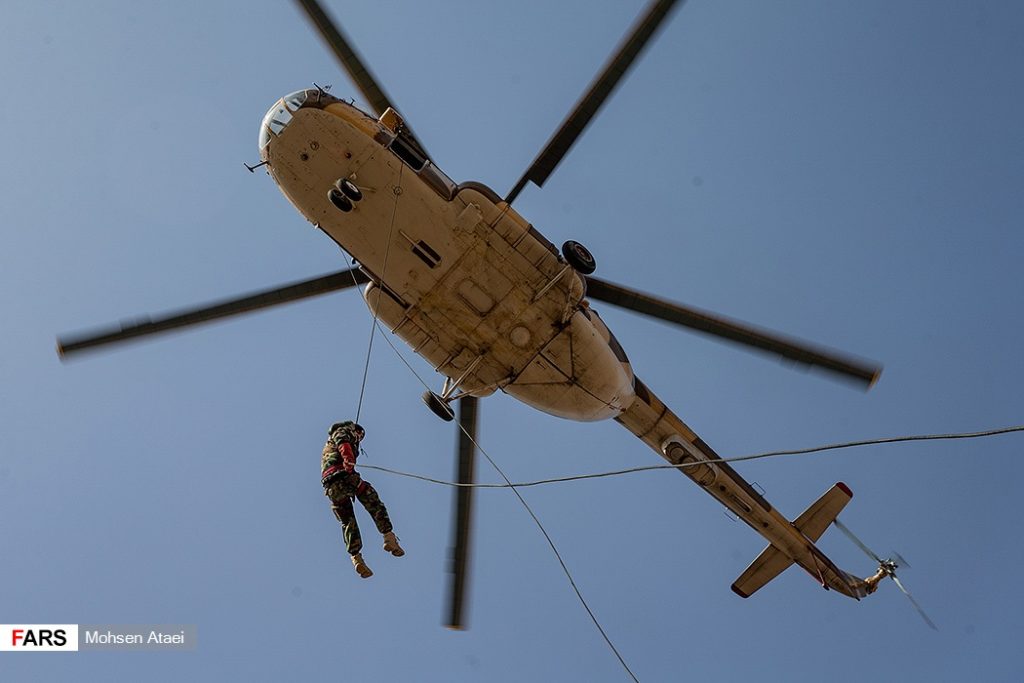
[{"x": 341, "y": 483}]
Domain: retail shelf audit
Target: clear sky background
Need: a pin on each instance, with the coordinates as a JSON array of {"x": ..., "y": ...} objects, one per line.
[{"x": 849, "y": 173}]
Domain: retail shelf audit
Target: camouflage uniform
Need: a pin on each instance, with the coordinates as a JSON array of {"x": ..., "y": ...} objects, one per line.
[{"x": 341, "y": 483}]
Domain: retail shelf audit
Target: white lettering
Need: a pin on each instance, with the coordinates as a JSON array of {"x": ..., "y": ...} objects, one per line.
[
  {"x": 167, "y": 638},
  {"x": 111, "y": 638}
]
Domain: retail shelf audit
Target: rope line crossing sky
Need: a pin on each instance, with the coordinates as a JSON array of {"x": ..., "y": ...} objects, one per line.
[{"x": 740, "y": 458}]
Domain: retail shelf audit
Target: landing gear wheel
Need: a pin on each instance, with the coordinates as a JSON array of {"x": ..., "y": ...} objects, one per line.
[
  {"x": 349, "y": 189},
  {"x": 339, "y": 200},
  {"x": 438, "y": 406},
  {"x": 579, "y": 257}
]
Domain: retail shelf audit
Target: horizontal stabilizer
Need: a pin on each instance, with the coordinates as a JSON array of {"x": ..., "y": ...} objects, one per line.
[
  {"x": 816, "y": 518},
  {"x": 769, "y": 564},
  {"x": 812, "y": 523}
]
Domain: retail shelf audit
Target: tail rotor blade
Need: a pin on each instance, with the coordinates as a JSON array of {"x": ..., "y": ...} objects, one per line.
[
  {"x": 466, "y": 454},
  {"x": 914, "y": 603},
  {"x": 870, "y": 553},
  {"x": 900, "y": 561}
]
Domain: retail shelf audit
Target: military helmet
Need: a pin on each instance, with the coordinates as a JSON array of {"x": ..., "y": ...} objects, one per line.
[{"x": 348, "y": 428}]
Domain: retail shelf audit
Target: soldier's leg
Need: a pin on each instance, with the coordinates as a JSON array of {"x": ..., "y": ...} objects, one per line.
[
  {"x": 367, "y": 495},
  {"x": 350, "y": 529},
  {"x": 340, "y": 494},
  {"x": 342, "y": 507},
  {"x": 371, "y": 501}
]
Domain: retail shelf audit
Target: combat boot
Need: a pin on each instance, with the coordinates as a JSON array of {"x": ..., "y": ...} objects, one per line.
[
  {"x": 361, "y": 568},
  {"x": 391, "y": 544}
]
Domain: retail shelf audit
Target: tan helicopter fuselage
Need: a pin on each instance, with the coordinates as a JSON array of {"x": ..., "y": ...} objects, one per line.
[{"x": 456, "y": 272}]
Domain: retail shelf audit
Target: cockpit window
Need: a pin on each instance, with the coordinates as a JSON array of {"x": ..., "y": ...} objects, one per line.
[
  {"x": 296, "y": 100},
  {"x": 274, "y": 122},
  {"x": 277, "y": 118}
]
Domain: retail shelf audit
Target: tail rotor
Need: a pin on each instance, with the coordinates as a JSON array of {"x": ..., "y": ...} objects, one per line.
[{"x": 887, "y": 567}]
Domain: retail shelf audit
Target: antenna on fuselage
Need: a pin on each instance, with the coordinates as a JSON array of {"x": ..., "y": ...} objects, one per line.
[{"x": 321, "y": 91}]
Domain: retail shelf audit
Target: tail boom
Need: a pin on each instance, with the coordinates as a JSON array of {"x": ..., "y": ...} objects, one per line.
[{"x": 789, "y": 542}]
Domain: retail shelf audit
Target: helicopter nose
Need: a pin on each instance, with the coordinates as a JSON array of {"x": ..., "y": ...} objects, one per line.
[
  {"x": 280, "y": 114},
  {"x": 274, "y": 121}
]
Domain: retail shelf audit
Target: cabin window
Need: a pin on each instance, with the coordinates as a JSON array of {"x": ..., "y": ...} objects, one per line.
[
  {"x": 407, "y": 154},
  {"x": 438, "y": 181},
  {"x": 408, "y": 151}
]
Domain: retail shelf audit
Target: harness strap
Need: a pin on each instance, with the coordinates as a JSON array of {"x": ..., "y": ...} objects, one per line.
[{"x": 330, "y": 474}]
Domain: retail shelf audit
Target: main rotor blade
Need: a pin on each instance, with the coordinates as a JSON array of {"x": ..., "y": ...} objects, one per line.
[
  {"x": 870, "y": 553},
  {"x": 72, "y": 344},
  {"x": 600, "y": 89},
  {"x": 914, "y": 603},
  {"x": 733, "y": 330},
  {"x": 351, "y": 62},
  {"x": 466, "y": 452}
]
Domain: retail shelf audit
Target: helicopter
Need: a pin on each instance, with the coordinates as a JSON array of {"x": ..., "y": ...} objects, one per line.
[{"x": 477, "y": 291}]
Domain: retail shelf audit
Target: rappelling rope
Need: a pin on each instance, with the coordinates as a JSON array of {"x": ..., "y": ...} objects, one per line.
[
  {"x": 740, "y": 458},
  {"x": 373, "y": 327},
  {"x": 547, "y": 537}
]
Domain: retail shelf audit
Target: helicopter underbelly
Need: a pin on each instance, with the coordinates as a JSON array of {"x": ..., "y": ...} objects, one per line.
[
  {"x": 570, "y": 372},
  {"x": 576, "y": 376},
  {"x": 468, "y": 284}
]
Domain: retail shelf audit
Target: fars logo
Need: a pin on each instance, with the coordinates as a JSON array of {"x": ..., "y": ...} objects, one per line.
[{"x": 38, "y": 637}]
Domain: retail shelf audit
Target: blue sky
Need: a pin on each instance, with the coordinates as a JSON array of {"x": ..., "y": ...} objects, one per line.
[{"x": 847, "y": 173}]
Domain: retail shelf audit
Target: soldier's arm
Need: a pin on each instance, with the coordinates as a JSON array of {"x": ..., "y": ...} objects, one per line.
[{"x": 348, "y": 456}]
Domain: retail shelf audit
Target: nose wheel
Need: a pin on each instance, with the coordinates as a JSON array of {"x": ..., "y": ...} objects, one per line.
[
  {"x": 340, "y": 201},
  {"x": 349, "y": 189},
  {"x": 344, "y": 194}
]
